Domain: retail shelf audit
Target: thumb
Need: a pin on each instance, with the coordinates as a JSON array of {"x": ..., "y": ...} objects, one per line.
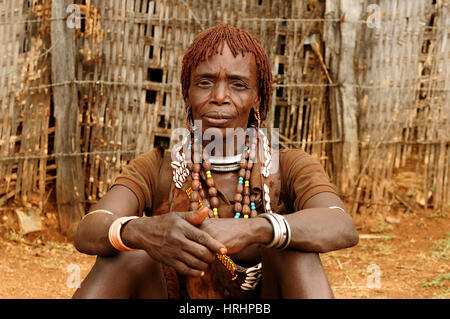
[{"x": 197, "y": 217}]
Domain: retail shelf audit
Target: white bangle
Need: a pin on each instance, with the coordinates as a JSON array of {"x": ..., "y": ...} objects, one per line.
[
  {"x": 337, "y": 207},
  {"x": 103, "y": 211}
]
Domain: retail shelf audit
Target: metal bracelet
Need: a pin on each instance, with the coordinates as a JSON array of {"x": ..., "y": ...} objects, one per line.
[
  {"x": 283, "y": 228},
  {"x": 288, "y": 233},
  {"x": 275, "y": 227}
]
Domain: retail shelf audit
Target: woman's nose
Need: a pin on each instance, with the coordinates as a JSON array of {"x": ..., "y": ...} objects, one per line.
[{"x": 220, "y": 94}]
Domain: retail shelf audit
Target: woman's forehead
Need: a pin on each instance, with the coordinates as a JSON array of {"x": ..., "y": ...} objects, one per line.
[{"x": 241, "y": 65}]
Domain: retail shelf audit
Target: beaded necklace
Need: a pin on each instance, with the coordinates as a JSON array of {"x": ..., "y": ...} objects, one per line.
[{"x": 244, "y": 201}]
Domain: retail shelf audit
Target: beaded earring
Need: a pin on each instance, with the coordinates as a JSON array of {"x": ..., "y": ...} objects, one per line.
[{"x": 258, "y": 119}]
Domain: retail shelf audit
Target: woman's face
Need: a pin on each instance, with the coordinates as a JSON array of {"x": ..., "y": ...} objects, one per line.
[{"x": 223, "y": 90}]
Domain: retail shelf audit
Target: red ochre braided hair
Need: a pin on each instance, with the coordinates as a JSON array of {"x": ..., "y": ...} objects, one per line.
[{"x": 211, "y": 42}]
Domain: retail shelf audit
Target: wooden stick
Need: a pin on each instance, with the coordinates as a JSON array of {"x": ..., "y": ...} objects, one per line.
[{"x": 69, "y": 182}]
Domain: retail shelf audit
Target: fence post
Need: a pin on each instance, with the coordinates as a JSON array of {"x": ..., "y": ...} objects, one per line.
[
  {"x": 340, "y": 38},
  {"x": 69, "y": 172}
]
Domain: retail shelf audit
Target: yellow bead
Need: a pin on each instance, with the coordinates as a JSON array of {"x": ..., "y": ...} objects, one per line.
[{"x": 245, "y": 216}]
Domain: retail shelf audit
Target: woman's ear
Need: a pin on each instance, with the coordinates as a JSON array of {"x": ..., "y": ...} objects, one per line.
[{"x": 256, "y": 104}]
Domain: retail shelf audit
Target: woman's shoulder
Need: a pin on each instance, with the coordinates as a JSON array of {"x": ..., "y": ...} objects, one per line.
[
  {"x": 156, "y": 153},
  {"x": 292, "y": 152},
  {"x": 289, "y": 157},
  {"x": 149, "y": 160},
  {"x": 296, "y": 161}
]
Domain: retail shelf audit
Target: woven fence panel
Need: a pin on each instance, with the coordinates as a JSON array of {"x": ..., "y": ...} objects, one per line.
[
  {"x": 128, "y": 63},
  {"x": 403, "y": 68},
  {"x": 130, "y": 55},
  {"x": 24, "y": 100}
]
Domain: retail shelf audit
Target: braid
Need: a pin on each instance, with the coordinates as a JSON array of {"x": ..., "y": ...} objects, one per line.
[{"x": 212, "y": 41}]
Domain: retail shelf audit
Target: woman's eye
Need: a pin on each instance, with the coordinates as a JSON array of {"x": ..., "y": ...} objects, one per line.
[
  {"x": 204, "y": 83},
  {"x": 239, "y": 85}
]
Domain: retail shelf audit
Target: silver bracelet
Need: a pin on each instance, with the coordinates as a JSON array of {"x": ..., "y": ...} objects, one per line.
[
  {"x": 281, "y": 230},
  {"x": 288, "y": 233},
  {"x": 275, "y": 228}
]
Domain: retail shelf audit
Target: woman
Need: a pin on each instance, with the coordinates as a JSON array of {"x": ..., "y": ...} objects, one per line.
[{"x": 217, "y": 226}]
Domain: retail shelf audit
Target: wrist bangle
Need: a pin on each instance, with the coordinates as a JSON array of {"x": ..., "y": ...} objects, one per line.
[
  {"x": 114, "y": 233},
  {"x": 275, "y": 229},
  {"x": 281, "y": 230},
  {"x": 288, "y": 234}
]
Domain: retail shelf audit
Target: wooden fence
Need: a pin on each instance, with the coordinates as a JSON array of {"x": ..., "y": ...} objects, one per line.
[{"x": 361, "y": 86}]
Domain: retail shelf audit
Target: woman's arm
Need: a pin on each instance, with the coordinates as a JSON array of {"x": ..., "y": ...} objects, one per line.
[
  {"x": 92, "y": 234},
  {"x": 321, "y": 229},
  {"x": 316, "y": 228},
  {"x": 172, "y": 239}
]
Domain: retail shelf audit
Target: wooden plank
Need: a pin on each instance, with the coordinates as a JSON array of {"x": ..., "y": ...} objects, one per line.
[
  {"x": 69, "y": 182},
  {"x": 351, "y": 10},
  {"x": 332, "y": 44}
]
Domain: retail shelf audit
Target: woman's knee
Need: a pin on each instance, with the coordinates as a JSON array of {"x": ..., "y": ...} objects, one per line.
[
  {"x": 298, "y": 274},
  {"x": 132, "y": 264},
  {"x": 291, "y": 258},
  {"x": 119, "y": 276},
  {"x": 137, "y": 262}
]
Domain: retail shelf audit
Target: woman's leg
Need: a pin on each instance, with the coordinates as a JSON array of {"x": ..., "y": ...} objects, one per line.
[
  {"x": 126, "y": 275},
  {"x": 293, "y": 274}
]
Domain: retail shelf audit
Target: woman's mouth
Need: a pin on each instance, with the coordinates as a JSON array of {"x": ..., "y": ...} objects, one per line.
[{"x": 216, "y": 118}]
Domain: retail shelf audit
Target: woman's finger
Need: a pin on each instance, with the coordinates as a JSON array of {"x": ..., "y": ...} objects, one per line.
[
  {"x": 199, "y": 251},
  {"x": 195, "y": 217},
  {"x": 184, "y": 269},
  {"x": 193, "y": 262},
  {"x": 204, "y": 239}
]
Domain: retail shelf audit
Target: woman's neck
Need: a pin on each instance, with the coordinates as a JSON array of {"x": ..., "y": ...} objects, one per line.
[{"x": 227, "y": 147}]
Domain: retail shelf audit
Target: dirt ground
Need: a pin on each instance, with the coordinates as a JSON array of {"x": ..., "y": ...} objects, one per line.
[{"x": 398, "y": 256}]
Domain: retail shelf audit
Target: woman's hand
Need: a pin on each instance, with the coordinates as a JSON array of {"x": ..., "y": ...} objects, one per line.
[
  {"x": 238, "y": 234},
  {"x": 173, "y": 239}
]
